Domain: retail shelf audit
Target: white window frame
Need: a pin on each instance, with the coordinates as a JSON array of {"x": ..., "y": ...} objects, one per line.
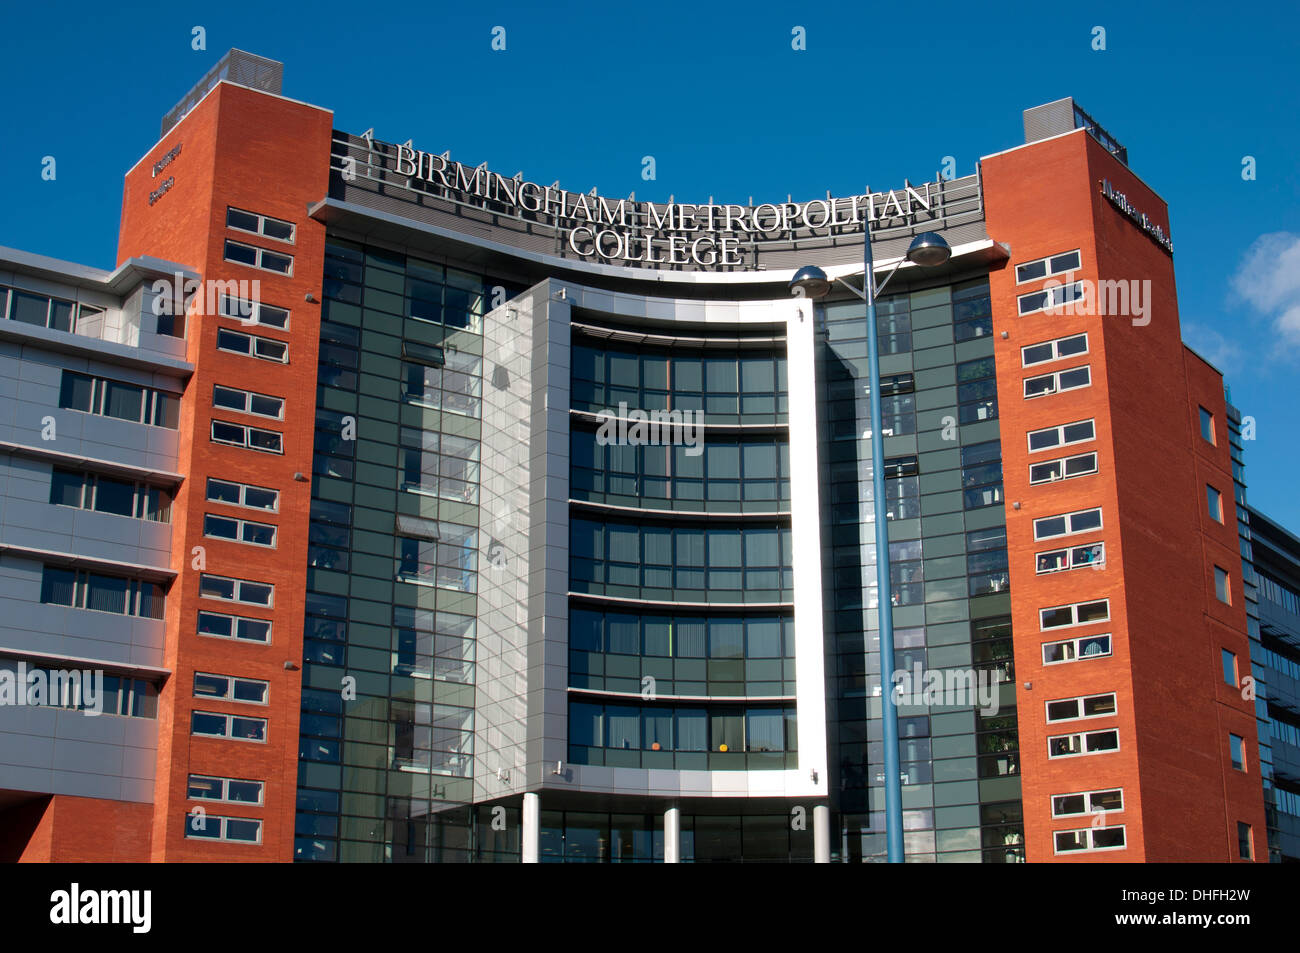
[
  {"x": 1068, "y": 520},
  {"x": 248, "y": 396},
  {"x": 247, "y": 431},
  {"x": 1089, "y": 810},
  {"x": 189, "y": 830},
  {"x": 261, "y": 225},
  {"x": 1059, "y": 430},
  {"x": 1071, "y": 553},
  {"x": 225, "y": 789},
  {"x": 249, "y": 313},
  {"x": 238, "y": 585},
  {"x": 1055, "y": 377},
  {"x": 1075, "y": 644},
  {"x": 1088, "y": 833},
  {"x": 240, "y": 531},
  {"x": 1083, "y": 737},
  {"x": 229, "y": 696},
  {"x": 229, "y": 726},
  {"x": 243, "y": 495},
  {"x": 1056, "y": 350},
  {"x": 1047, "y": 710},
  {"x": 1048, "y": 272},
  {"x": 234, "y": 627},
  {"x": 254, "y": 343},
  {"x": 1074, "y": 614},
  {"x": 1064, "y": 465},
  {"x": 1056, "y": 297},
  {"x": 259, "y": 257}
]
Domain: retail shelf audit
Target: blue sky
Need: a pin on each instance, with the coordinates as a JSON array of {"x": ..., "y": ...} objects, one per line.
[{"x": 727, "y": 108}]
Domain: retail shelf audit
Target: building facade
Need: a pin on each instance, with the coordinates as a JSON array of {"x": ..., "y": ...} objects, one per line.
[{"x": 511, "y": 523}]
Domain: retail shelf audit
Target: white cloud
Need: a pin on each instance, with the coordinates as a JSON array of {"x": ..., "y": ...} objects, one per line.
[
  {"x": 1224, "y": 353},
  {"x": 1268, "y": 277}
]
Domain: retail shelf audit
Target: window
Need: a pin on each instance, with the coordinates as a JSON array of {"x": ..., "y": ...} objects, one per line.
[
  {"x": 241, "y": 494},
  {"x": 454, "y": 384},
  {"x": 1067, "y": 524},
  {"x": 977, "y": 391},
  {"x": 986, "y": 561},
  {"x": 212, "y": 724},
  {"x": 264, "y": 348},
  {"x": 1214, "y": 503},
  {"x": 1089, "y": 839},
  {"x": 435, "y": 464},
  {"x": 1047, "y": 267},
  {"x": 1049, "y": 298},
  {"x": 1090, "y": 555},
  {"x": 1082, "y": 706},
  {"x": 1062, "y": 436},
  {"x": 1074, "y": 650},
  {"x": 110, "y": 398},
  {"x": 1245, "y": 849},
  {"x": 105, "y": 494},
  {"x": 1079, "y": 613},
  {"x": 972, "y": 310},
  {"x": 241, "y": 531},
  {"x": 1229, "y": 667},
  {"x": 254, "y": 312},
  {"x": 1222, "y": 585},
  {"x": 100, "y": 592},
  {"x": 45, "y": 311},
  {"x": 1083, "y": 743},
  {"x": 259, "y": 224},
  {"x": 1057, "y": 382},
  {"x": 230, "y": 688},
  {"x": 221, "y": 626},
  {"x": 236, "y": 590},
  {"x": 254, "y": 257},
  {"x": 251, "y": 438},
  {"x": 1207, "y": 425},
  {"x": 1237, "y": 751},
  {"x": 1066, "y": 468},
  {"x": 117, "y": 694},
  {"x": 981, "y": 474},
  {"x": 234, "y": 790},
  {"x": 247, "y": 402},
  {"x": 241, "y": 830},
  {"x": 1088, "y": 802},
  {"x": 1054, "y": 350}
]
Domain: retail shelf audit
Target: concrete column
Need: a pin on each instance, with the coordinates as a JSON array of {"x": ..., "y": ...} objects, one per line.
[
  {"x": 673, "y": 835},
  {"x": 821, "y": 834},
  {"x": 531, "y": 829}
]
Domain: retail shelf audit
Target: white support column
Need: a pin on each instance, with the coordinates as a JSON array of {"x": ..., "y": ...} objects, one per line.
[
  {"x": 530, "y": 833},
  {"x": 673, "y": 835},
  {"x": 821, "y": 834}
]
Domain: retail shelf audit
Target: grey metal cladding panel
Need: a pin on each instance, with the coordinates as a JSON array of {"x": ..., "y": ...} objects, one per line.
[{"x": 1050, "y": 119}]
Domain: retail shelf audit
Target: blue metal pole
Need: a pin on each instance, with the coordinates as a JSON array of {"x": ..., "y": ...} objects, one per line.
[{"x": 884, "y": 590}]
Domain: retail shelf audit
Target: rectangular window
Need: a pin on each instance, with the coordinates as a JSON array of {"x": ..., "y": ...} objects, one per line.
[
  {"x": 1222, "y": 585},
  {"x": 234, "y": 790},
  {"x": 278, "y": 229},
  {"x": 1049, "y": 298},
  {"x": 1079, "y": 613},
  {"x": 105, "y": 494},
  {"x": 255, "y": 257},
  {"x": 1214, "y": 503},
  {"x": 250, "y": 438},
  {"x": 1090, "y": 556},
  {"x": 1083, "y": 743},
  {"x": 254, "y": 312},
  {"x": 240, "y": 830},
  {"x": 977, "y": 391},
  {"x": 242, "y": 494},
  {"x": 247, "y": 402},
  {"x": 1054, "y": 350},
  {"x": 236, "y": 590},
  {"x": 981, "y": 474},
  {"x": 1047, "y": 267},
  {"x": 1057, "y": 382},
  {"x": 1062, "y": 436},
  {"x": 231, "y": 688},
  {"x": 110, "y": 398},
  {"x": 100, "y": 592},
  {"x": 1075, "y": 650},
  {"x": 212, "y": 724},
  {"x": 251, "y": 345},
  {"x": 242, "y": 629},
  {"x": 58, "y": 314},
  {"x": 1229, "y": 667},
  {"x": 1066, "y": 468},
  {"x": 1245, "y": 847},
  {"x": 1088, "y": 802},
  {"x": 1237, "y": 751},
  {"x": 1207, "y": 425},
  {"x": 1089, "y": 839},
  {"x": 238, "y": 530},
  {"x": 1067, "y": 524},
  {"x": 1081, "y": 706}
]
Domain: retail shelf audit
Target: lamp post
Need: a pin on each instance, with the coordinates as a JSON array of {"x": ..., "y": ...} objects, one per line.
[{"x": 927, "y": 250}]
